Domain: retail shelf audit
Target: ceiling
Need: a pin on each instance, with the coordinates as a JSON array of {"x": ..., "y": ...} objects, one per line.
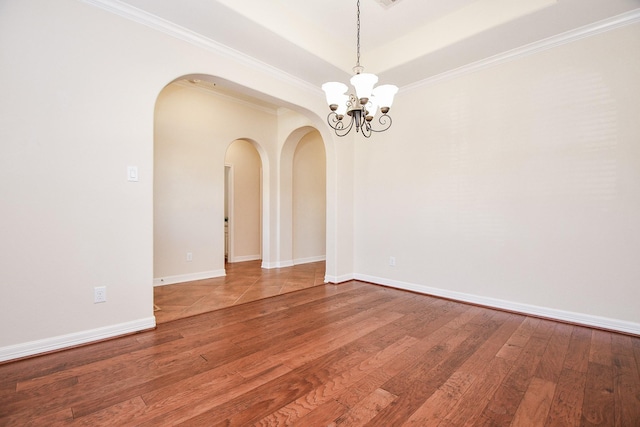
[{"x": 404, "y": 43}]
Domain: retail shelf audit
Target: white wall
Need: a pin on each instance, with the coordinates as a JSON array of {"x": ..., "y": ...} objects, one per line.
[
  {"x": 309, "y": 200},
  {"x": 79, "y": 87},
  {"x": 516, "y": 186},
  {"x": 244, "y": 223}
]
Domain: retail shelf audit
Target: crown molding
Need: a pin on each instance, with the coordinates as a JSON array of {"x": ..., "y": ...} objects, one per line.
[
  {"x": 159, "y": 24},
  {"x": 137, "y": 15},
  {"x": 622, "y": 20}
]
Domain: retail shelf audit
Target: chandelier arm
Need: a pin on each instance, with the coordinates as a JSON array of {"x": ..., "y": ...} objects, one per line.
[
  {"x": 338, "y": 125},
  {"x": 366, "y": 130},
  {"x": 332, "y": 120},
  {"x": 343, "y": 131},
  {"x": 385, "y": 121}
]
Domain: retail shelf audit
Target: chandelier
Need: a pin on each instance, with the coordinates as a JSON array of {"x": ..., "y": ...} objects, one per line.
[{"x": 363, "y": 106}]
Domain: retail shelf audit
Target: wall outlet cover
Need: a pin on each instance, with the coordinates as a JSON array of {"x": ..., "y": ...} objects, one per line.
[{"x": 99, "y": 294}]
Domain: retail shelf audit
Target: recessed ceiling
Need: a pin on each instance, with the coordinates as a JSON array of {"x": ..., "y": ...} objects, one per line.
[{"x": 409, "y": 41}]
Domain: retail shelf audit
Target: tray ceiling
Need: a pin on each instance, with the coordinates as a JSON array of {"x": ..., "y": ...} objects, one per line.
[{"x": 404, "y": 42}]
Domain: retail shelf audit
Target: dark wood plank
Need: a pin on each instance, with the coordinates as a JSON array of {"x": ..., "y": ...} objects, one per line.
[
  {"x": 566, "y": 407},
  {"x": 535, "y": 404},
  {"x": 625, "y": 385},
  {"x": 469, "y": 408},
  {"x": 365, "y": 410},
  {"x": 205, "y": 396},
  {"x": 552, "y": 360},
  {"x": 487, "y": 372},
  {"x": 256, "y": 403},
  {"x": 414, "y": 386},
  {"x": 598, "y": 404},
  {"x": 578, "y": 353},
  {"x": 442, "y": 401},
  {"x": 600, "y": 348},
  {"x": 337, "y": 377},
  {"x": 506, "y": 400}
]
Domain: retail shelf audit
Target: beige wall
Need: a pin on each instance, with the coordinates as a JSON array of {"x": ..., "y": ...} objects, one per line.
[
  {"x": 309, "y": 200},
  {"x": 516, "y": 186},
  {"x": 244, "y": 221},
  {"x": 77, "y": 108},
  {"x": 193, "y": 129}
]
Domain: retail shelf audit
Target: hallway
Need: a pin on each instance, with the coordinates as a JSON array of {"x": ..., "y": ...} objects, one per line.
[{"x": 244, "y": 282}]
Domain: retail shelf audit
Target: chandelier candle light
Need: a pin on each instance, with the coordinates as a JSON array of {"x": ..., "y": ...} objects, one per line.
[{"x": 363, "y": 106}]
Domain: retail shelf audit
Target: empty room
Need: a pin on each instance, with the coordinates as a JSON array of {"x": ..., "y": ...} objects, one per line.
[{"x": 320, "y": 212}]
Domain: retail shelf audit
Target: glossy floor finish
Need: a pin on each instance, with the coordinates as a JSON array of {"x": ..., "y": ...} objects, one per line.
[
  {"x": 352, "y": 354},
  {"x": 244, "y": 282}
]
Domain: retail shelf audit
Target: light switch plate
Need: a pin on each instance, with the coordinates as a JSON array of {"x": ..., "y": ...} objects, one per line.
[{"x": 132, "y": 173}]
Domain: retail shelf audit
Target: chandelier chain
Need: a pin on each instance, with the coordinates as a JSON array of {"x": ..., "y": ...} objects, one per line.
[{"x": 358, "y": 28}]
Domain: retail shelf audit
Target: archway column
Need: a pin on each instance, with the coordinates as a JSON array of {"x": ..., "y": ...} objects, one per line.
[{"x": 340, "y": 208}]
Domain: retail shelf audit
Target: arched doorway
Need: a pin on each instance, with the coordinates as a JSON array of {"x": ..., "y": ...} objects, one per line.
[
  {"x": 243, "y": 202},
  {"x": 303, "y": 201},
  {"x": 309, "y": 200},
  {"x": 196, "y": 132}
]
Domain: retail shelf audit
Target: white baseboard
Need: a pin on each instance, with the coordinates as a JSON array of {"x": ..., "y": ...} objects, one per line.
[
  {"x": 32, "y": 348},
  {"x": 339, "y": 279},
  {"x": 245, "y": 258},
  {"x": 549, "y": 313},
  {"x": 181, "y": 278},
  {"x": 309, "y": 260},
  {"x": 278, "y": 264}
]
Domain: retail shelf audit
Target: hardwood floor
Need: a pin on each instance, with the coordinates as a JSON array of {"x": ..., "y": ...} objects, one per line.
[
  {"x": 244, "y": 282},
  {"x": 352, "y": 354}
]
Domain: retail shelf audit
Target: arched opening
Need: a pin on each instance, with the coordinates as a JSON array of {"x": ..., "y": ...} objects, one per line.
[
  {"x": 303, "y": 201},
  {"x": 205, "y": 144},
  {"x": 243, "y": 202},
  {"x": 309, "y": 200},
  {"x": 188, "y": 183}
]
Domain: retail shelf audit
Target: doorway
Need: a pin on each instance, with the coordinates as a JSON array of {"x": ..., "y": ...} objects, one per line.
[
  {"x": 243, "y": 202},
  {"x": 309, "y": 200}
]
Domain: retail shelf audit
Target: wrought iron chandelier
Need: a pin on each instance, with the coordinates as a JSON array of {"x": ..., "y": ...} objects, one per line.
[{"x": 363, "y": 106}]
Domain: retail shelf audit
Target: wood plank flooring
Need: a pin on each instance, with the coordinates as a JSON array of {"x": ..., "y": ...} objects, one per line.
[
  {"x": 244, "y": 282},
  {"x": 353, "y": 354}
]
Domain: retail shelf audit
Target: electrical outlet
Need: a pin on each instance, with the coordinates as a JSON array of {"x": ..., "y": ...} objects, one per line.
[
  {"x": 189, "y": 256},
  {"x": 99, "y": 294},
  {"x": 392, "y": 261}
]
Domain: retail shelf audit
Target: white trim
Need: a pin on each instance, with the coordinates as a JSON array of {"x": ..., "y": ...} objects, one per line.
[
  {"x": 181, "y": 278},
  {"x": 338, "y": 279},
  {"x": 230, "y": 195},
  {"x": 32, "y": 348},
  {"x": 142, "y": 17},
  {"x": 277, "y": 264},
  {"x": 245, "y": 258},
  {"x": 605, "y": 25},
  {"x": 309, "y": 260},
  {"x": 549, "y": 313}
]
